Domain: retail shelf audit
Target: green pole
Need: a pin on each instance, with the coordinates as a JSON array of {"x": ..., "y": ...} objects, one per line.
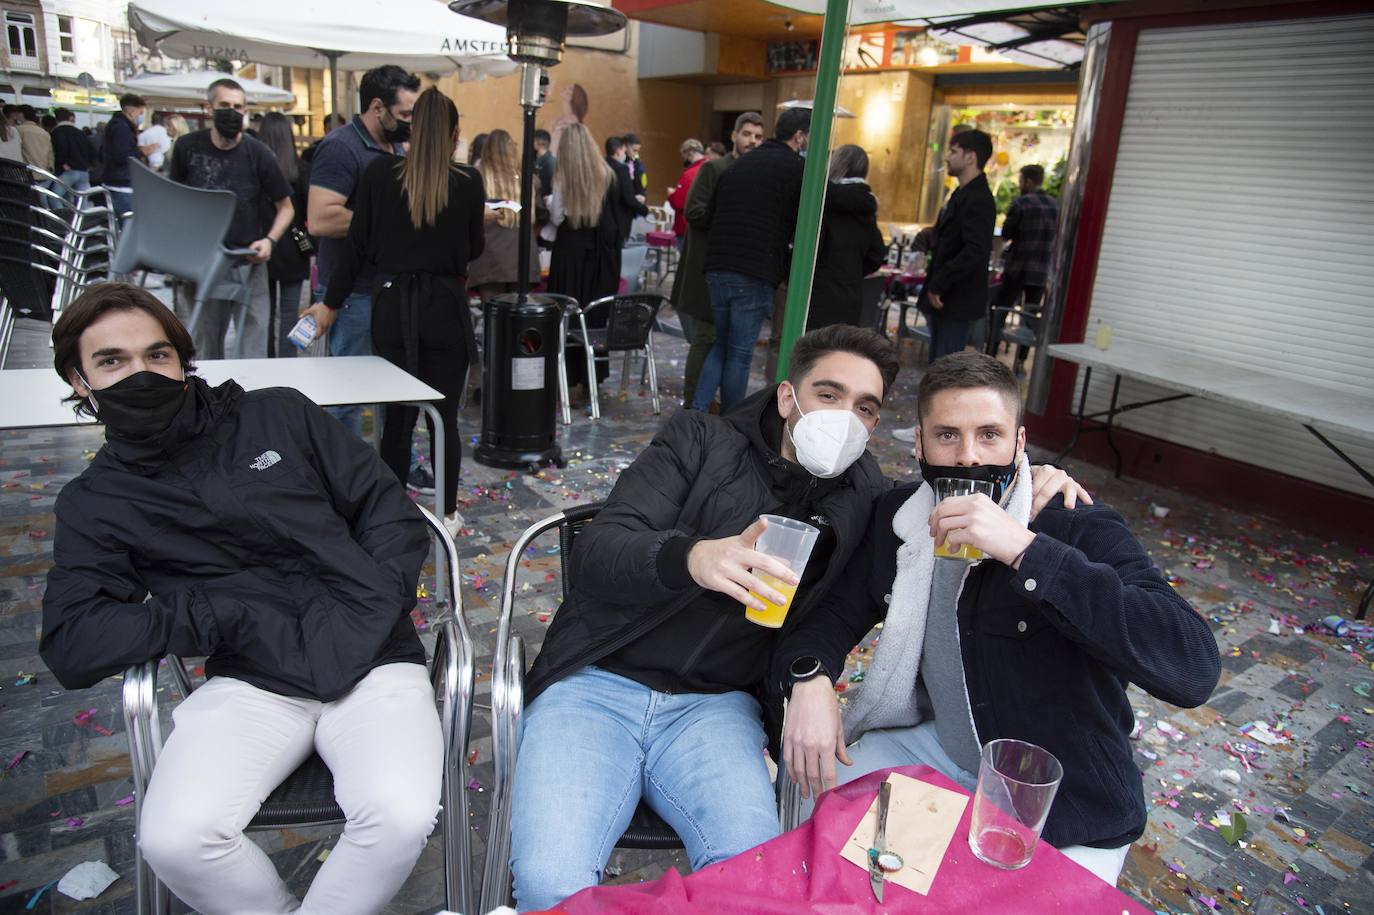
[{"x": 813, "y": 180}]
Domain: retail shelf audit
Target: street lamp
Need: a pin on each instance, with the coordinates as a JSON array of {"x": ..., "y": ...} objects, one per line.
[{"x": 523, "y": 333}]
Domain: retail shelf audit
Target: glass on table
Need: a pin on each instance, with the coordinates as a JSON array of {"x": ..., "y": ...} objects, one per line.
[{"x": 1017, "y": 782}]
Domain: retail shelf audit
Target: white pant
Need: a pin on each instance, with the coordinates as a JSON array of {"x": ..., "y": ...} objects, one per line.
[
  {"x": 889, "y": 747},
  {"x": 234, "y": 743}
]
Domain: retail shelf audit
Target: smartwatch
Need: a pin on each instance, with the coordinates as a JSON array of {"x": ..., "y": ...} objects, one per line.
[{"x": 803, "y": 669}]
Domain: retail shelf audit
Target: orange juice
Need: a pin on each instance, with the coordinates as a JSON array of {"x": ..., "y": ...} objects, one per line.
[
  {"x": 967, "y": 552},
  {"x": 774, "y": 615}
]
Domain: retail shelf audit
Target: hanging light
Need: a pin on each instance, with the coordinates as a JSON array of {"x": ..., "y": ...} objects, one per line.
[{"x": 927, "y": 54}]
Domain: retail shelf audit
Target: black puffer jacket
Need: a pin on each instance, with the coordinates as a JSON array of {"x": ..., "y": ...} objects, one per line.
[
  {"x": 702, "y": 476},
  {"x": 753, "y": 213},
  {"x": 273, "y": 540}
]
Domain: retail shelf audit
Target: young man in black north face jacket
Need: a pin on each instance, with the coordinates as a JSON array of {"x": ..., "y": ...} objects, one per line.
[
  {"x": 255, "y": 529},
  {"x": 649, "y": 685}
]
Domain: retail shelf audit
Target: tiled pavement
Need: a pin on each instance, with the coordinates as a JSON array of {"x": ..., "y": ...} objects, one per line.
[{"x": 1306, "y": 797}]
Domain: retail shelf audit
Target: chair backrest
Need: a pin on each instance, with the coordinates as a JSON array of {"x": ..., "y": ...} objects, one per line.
[
  {"x": 28, "y": 289},
  {"x": 574, "y": 520},
  {"x": 630, "y": 319},
  {"x": 870, "y": 315},
  {"x": 177, "y": 230}
]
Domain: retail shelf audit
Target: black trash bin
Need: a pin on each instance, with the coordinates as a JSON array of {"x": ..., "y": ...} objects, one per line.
[{"x": 520, "y": 382}]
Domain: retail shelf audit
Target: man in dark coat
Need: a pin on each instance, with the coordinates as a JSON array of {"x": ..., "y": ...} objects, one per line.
[
  {"x": 691, "y": 298},
  {"x": 628, "y": 201},
  {"x": 753, "y": 217},
  {"x": 253, "y": 528},
  {"x": 649, "y": 683},
  {"x": 955, "y": 294},
  {"x": 1036, "y": 642}
]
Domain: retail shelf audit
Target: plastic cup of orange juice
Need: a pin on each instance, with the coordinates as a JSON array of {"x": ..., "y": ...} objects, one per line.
[{"x": 791, "y": 541}]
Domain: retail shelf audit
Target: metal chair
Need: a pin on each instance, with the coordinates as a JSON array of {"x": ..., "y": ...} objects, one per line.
[
  {"x": 45, "y": 248},
  {"x": 181, "y": 234},
  {"x": 306, "y": 797},
  {"x": 647, "y": 830},
  {"x": 874, "y": 304},
  {"x": 628, "y": 329}
]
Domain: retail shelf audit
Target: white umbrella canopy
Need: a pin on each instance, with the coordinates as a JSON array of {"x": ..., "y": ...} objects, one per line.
[
  {"x": 420, "y": 35},
  {"x": 194, "y": 85}
]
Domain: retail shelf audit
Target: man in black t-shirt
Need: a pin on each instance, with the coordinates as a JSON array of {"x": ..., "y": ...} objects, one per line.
[{"x": 223, "y": 157}]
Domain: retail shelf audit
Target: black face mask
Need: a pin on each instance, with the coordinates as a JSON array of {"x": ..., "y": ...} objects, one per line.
[
  {"x": 228, "y": 122},
  {"x": 999, "y": 475},
  {"x": 400, "y": 133},
  {"x": 140, "y": 407}
]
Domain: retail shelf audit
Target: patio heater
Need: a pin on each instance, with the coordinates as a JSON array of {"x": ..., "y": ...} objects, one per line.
[{"x": 517, "y": 395}]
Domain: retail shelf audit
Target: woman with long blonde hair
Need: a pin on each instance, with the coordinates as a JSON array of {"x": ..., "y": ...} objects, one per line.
[
  {"x": 419, "y": 220},
  {"x": 495, "y": 272},
  {"x": 586, "y": 248}
]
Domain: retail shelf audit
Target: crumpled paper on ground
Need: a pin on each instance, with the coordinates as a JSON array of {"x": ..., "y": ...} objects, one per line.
[{"x": 87, "y": 880}]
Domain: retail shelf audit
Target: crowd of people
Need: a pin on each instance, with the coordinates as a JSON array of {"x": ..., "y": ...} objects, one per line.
[{"x": 253, "y": 528}]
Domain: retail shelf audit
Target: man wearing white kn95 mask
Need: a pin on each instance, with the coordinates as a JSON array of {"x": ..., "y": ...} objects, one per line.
[{"x": 651, "y": 683}]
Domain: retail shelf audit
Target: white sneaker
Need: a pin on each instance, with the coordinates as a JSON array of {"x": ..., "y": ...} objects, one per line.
[
  {"x": 905, "y": 435},
  {"x": 454, "y": 524}
]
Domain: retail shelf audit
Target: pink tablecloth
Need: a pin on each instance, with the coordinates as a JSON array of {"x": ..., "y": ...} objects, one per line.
[{"x": 803, "y": 871}]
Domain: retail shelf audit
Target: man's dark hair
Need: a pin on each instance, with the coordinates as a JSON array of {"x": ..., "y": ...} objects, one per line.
[
  {"x": 967, "y": 370},
  {"x": 718, "y": 148},
  {"x": 130, "y": 100},
  {"x": 631, "y": 139},
  {"x": 811, "y": 347},
  {"x": 232, "y": 85},
  {"x": 614, "y": 145},
  {"x": 749, "y": 117},
  {"x": 9, "y": 110},
  {"x": 90, "y": 306},
  {"x": 542, "y": 136},
  {"x": 1035, "y": 174},
  {"x": 384, "y": 82},
  {"x": 29, "y": 113},
  {"x": 64, "y": 114},
  {"x": 49, "y": 122},
  {"x": 791, "y": 121},
  {"x": 976, "y": 142}
]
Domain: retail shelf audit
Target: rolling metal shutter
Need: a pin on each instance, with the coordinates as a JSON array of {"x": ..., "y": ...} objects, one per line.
[{"x": 1241, "y": 227}]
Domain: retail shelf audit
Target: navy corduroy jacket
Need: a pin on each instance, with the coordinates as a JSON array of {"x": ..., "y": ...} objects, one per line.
[{"x": 1048, "y": 650}]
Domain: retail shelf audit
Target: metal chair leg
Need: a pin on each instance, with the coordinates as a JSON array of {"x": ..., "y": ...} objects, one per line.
[
  {"x": 563, "y": 373},
  {"x": 592, "y": 392},
  {"x": 653, "y": 373}
]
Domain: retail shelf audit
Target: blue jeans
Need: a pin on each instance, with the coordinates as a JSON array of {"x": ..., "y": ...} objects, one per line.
[
  {"x": 121, "y": 201},
  {"x": 76, "y": 179},
  {"x": 947, "y": 335},
  {"x": 740, "y": 304},
  {"x": 596, "y": 743},
  {"x": 350, "y": 335}
]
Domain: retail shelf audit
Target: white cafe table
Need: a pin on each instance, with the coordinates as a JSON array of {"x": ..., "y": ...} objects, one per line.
[{"x": 32, "y": 398}]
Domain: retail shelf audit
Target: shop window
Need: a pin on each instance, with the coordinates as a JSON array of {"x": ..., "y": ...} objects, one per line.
[
  {"x": 66, "y": 39},
  {"x": 23, "y": 38}
]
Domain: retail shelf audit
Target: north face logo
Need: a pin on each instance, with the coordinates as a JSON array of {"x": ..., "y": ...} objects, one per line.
[{"x": 265, "y": 460}]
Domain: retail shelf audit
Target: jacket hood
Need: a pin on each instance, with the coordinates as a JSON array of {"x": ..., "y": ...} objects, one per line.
[{"x": 856, "y": 198}]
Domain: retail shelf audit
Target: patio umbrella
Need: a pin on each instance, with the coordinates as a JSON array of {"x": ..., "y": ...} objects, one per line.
[
  {"x": 194, "y": 85},
  {"x": 420, "y": 35}
]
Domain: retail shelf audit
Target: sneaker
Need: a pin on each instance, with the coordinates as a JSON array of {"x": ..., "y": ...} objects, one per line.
[
  {"x": 454, "y": 524},
  {"x": 905, "y": 435},
  {"x": 421, "y": 480}
]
